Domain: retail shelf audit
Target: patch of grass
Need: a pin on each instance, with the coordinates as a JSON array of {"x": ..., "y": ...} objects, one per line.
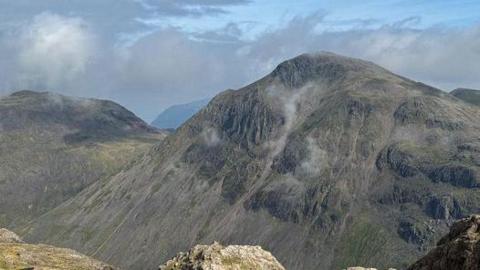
[{"x": 361, "y": 245}]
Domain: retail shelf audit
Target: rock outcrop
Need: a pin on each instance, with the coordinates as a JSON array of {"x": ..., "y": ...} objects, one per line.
[
  {"x": 363, "y": 268},
  {"x": 15, "y": 255},
  {"x": 7, "y": 236},
  {"x": 459, "y": 249},
  {"x": 218, "y": 257}
]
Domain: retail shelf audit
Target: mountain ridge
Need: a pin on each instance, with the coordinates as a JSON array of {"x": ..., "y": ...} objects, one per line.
[
  {"x": 52, "y": 146},
  {"x": 471, "y": 96},
  {"x": 339, "y": 161}
]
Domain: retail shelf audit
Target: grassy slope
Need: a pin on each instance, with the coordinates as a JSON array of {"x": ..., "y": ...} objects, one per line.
[{"x": 40, "y": 168}]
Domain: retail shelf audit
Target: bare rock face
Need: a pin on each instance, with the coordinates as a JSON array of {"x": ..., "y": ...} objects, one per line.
[
  {"x": 7, "y": 236},
  {"x": 15, "y": 254},
  {"x": 218, "y": 257},
  {"x": 460, "y": 249}
]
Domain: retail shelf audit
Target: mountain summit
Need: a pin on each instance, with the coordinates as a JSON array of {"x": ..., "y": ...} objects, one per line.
[
  {"x": 471, "y": 96},
  {"x": 327, "y": 162},
  {"x": 53, "y": 146}
]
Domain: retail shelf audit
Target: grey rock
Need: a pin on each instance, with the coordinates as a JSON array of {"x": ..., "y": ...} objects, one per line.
[
  {"x": 459, "y": 249},
  {"x": 218, "y": 257}
]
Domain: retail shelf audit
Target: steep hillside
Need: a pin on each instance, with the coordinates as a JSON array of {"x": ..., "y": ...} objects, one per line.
[
  {"x": 176, "y": 115},
  {"x": 52, "y": 146},
  {"x": 328, "y": 162},
  {"x": 468, "y": 95},
  {"x": 15, "y": 255}
]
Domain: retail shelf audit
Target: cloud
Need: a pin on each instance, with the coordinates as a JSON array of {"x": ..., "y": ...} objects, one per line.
[
  {"x": 443, "y": 56},
  {"x": 169, "y": 65},
  {"x": 53, "y": 51},
  {"x": 317, "y": 159},
  {"x": 210, "y": 137},
  {"x": 188, "y": 7}
]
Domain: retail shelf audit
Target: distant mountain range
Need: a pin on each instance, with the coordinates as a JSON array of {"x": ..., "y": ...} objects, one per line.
[
  {"x": 327, "y": 162},
  {"x": 176, "y": 115}
]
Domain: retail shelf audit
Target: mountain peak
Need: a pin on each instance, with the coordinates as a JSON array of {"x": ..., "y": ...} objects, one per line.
[
  {"x": 471, "y": 96},
  {"x": 88, "y": 116},
  {"x": 26, "y": 93},
  {"x": 320, "y": 66},
  {"x": 174, "y": 116}
]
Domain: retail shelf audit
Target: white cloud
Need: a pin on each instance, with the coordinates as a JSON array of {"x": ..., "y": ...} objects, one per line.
[
  {"x": 54, "y": 51},
  {"x": 170, "y": 66},
  {"x": 317, "y": 159},
  {"x": 445, "y": 57},
  {"x": 210, "y": 137}
]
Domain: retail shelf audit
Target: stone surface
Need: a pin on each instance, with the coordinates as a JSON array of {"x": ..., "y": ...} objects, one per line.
[
  {"x": 7, "y": 236},
  {"x": 459, "y": 249},
  {"x": 218, "y": 257},
  {"x": 363, "y": 268},
  {"x": 16, "y": 255}
]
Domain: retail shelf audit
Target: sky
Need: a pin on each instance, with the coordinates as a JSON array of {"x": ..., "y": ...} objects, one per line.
[{"x": 150, "y": 54}]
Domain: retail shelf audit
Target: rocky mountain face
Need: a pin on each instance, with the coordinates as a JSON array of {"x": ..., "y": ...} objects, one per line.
[
  {"x": 328, "y": 162},
  {"x": 53, "y": 146},
  {"x": 468, "y": 95},
  {"x": 176, "y": 115},
  {"x": 15, "y": 254},
  {"x": 218, "y": 257},
  {"x": 459, "y": 249}
]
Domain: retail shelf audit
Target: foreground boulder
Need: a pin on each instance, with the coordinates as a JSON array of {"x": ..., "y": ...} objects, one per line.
[
  {"x": 363, "y": 268},
  {"x": 218, "y": 257},
  {"x": 459, "y": 249},
  {"x": 7, "y": 236},
  {"x": 15, "y": 254}
]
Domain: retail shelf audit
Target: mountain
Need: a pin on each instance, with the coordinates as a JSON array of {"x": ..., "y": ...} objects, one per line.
[
  {"x": 328, "y": 162},
  {"x": 218, "y": 257},
  {"x": 459, "y": 249},
  {"x": 468, "y": 95},
  {"x": 176, "y": 115},
  {"x": 15, "y": 254},
  {"x": 53, "y": 146}
]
